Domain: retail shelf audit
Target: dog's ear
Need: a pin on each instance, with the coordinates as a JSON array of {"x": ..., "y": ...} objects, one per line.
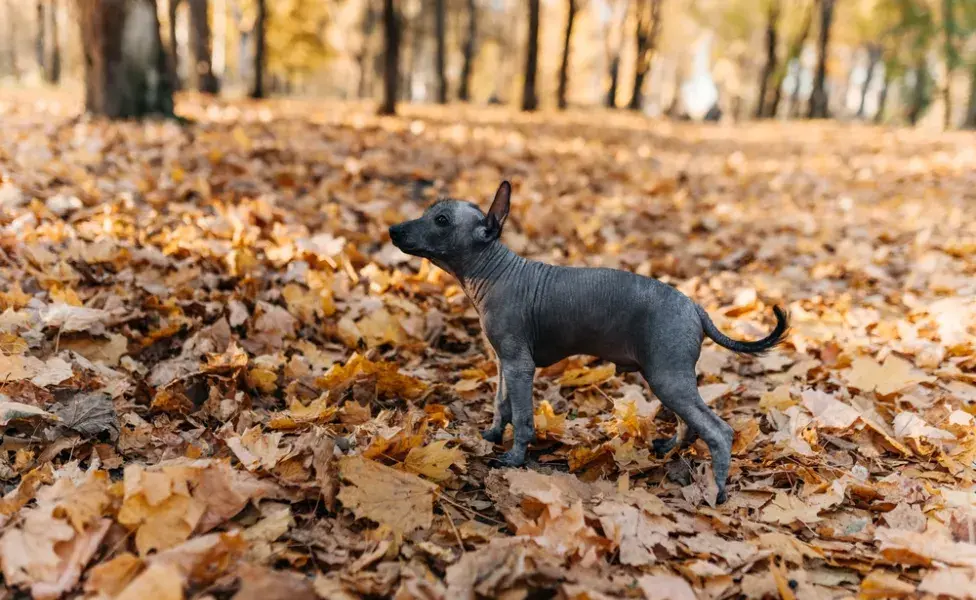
[{"x": 498, "y": 212}]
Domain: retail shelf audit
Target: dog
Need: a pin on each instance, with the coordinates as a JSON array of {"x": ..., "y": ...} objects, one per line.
[{"x": 535, "y": 314}]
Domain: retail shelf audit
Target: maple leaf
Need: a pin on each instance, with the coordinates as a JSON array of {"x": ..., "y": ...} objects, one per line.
[
  {"x": 827, "y": 411},
  {"x": 434, "y": 460},
  {"x": 402, "y": 501},
  {"x": 894, "y": 375},
  {"x": 786, "y": 510},
  {"x": 256, "y": 449},
  {"x": 585, "y": 376},
  {"x": 112, "y": 576},
  {"x": 547, "y": 423},
  {"x": 665, "y": 587},
  {"x": 389, "y": 381},
  {"x": 634, "y": 533},
  {"x": 297, "y": 415},
  {"x": 159, "y": 582}
]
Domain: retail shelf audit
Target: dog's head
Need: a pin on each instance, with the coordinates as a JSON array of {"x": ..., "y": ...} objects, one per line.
[{"x": 452, "y": 231}]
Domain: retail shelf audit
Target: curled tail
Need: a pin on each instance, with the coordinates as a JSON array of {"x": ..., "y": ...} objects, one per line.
[{"x": 756, "y": 347}]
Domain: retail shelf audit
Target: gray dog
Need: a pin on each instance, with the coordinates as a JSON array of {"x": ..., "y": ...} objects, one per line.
[{"x": 536, "y": 314}]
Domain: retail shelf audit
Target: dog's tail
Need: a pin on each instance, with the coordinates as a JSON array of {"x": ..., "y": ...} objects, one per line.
[{"x": 756, "y": 347}]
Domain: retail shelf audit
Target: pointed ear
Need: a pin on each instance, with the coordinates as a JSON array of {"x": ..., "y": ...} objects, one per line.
[{"x": 500, "y": 206}]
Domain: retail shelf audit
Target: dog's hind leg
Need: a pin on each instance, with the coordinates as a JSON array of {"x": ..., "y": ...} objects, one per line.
[{"x": 678, "y": 391}]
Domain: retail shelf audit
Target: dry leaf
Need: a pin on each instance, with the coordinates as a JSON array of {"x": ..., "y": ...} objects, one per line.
[
  {"x": 401, "y": 501},
  {"x": 434, "y": 461}
]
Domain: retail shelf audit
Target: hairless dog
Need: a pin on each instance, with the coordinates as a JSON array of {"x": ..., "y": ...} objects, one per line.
[{"x": 535, "y": 314}]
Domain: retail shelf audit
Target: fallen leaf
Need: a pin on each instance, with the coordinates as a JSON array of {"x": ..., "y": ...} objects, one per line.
[
  {"x": 893, "y": 375},
  {"x": 434, "y": 461},
  {"x": 402, "y": 501}
]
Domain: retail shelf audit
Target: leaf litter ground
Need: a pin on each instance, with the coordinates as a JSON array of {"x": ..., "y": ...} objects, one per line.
[{"x": 221, "y": 380}]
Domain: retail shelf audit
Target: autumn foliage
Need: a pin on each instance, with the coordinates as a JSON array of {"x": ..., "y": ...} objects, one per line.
[{"x": 220, "y": 378}]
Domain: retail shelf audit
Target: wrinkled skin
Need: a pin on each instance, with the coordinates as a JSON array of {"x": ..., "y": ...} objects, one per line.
[{"x": 535, "y": 314}]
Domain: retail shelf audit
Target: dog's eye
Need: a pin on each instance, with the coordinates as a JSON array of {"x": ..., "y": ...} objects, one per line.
[{"x": 441, "y": 220}]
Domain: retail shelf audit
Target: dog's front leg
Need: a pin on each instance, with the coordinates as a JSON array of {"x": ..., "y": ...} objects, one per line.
[
  {"x": 518, "y": 375},
  {"x": 503, "y": 412}
]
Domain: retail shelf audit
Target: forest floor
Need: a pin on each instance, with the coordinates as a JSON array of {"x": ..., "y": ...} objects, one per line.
[{"x": 219, "y": 378}]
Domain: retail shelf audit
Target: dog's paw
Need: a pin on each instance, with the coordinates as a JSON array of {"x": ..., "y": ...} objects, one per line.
[
  {"x": 512, "y": 458},
  {"x": 664, "y": 445},
  {"x": 493, "y": 435},
  {"x": 722, "y": 497}
]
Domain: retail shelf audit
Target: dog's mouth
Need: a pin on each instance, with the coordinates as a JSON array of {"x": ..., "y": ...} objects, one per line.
[{"x": 401, "y": 241}]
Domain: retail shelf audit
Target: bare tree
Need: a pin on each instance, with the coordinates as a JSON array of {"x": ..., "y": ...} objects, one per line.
[
  {"x": 772, "y": 19},
  {"x": 970, "y": 121},
  {"x": 464, "y": 90},
  {"x": 53, "y": 72},
  {"x": 572, "y": 7},
  {"x": 173, "y": 52},
  {"x": 201, "y": 75},
  {"x": 530, "y": 100},
  {"x": 440, "y": 58},
  {"x": 645, "y": 32},
  {"x": 614, "y": 32},
  {"x": 125, "y": 65},
  {"x": 874, "y": 57},
  {"x": 818, "y": 97},
  {"x": 39, "y": 45},
  {"x": 260, "y": 49},
  {"x": 391, "y": 57}
]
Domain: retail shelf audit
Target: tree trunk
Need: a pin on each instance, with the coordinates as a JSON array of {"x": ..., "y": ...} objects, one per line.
[
  {"x": 464, "y": 91},
  {"x": 874, "y": 56},
  {"x": 818, "y": 97},
  {"x": 769, "y": 68},
  {"x": 39, "y": 45},
  {"x": 174, "y": 47},
  {"x": 440, "y": 58},
  {"x": 917, "y": 105},
  {"x": 260, "y": 48},
  {"x": 201, "y": 73},
  {"x": 792, "y": 53},
  {"x": 54, "y": 56},
  {"x": 883, "y": 96},
  {"x": 391, "y": 57},
  {"x": 529, "y": 99},
  {"x": 362, "y": 58},
  {"x": 646, "y": 31},
  {"x": 611, "y": 100},
  {"x": 948, "y": 31},
  {"x": 571, "y": 7},
  {"x": 125, "y": 65},
  {"x": 8, "y": 50},
  {"x": 970, "y": 122}
]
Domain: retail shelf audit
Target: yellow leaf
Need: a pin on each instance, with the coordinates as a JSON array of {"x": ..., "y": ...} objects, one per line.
[
  {"x": 434, "y": 460},
  {"x": 263, "y": 380},
  {"x": 586, "y": 376},
  {"x": 11, "y": 344},
  {"x": 298, "y": 414},
  {"x": 380, "y": 327},
  {"x": 159, "y": 582},
  {"x": 112, "y": 576},
  {"x": 401, "y": 501},
  {"x": 389, "y": 381},
  {"x": 547, "y": 422},
  {"x": 894, "y": 375}
]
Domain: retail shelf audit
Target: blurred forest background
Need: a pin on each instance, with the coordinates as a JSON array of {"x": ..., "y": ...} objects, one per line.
[{"x": 887, "y": 61}]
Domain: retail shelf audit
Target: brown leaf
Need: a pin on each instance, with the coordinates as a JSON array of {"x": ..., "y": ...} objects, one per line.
[{"x": 402, "y": 501}]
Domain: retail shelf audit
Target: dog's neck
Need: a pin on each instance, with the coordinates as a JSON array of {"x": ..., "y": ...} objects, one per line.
[{"x": 479, "y": 273}]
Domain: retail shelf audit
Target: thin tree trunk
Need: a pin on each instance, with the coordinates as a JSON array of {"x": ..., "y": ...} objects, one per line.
[
  {"x": 646, "y": 31},
  {"x": 9, "y": 40},
  {"x": 883, "y": 96},
  {"x": 818, "y": 97},
  {"x": 571, "y": 7},
  {"x": 530, "y": 101},
  {"x": 769, "y": 68},
  {"x": 202, "y": 72},
  {"x": 125, "y": 64},
  {"x": 260, "y": 49},
  {"x": 362, "y": 58},
  {"x": 391, "y": 57},
  {"x": 792, "y": 53},
  {"x": 970, "y": 122},
  {"x": 948, "y": 31},
  {"x": 174, "y": 47},
  {"x": 39, "y": 40},
  {"x": 440, "y": 58},
  {"x": 917, "y": 104},
  {"x": 464, "y": 90},
  {"x": 611, "y": 100},
  {"x": 874, "y": 56},
  {"x": 54, "y": 58}
]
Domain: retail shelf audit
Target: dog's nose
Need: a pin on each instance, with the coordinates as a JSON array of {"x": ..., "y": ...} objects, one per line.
[{"x": 394, "y": 234}]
